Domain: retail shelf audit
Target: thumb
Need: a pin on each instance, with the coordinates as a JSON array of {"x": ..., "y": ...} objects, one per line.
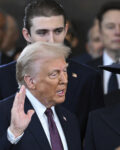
[{"x": 30, "y": 113}]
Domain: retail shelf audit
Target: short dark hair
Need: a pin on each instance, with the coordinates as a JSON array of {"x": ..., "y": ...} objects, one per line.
[
  {"x": 113, "y": 5},
  {"x": 46, "y": 8}
]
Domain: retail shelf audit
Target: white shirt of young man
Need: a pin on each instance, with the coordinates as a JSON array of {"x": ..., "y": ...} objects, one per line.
[
  {"x": 107, "y": 60},
  {"x": 40, "y": 111}
]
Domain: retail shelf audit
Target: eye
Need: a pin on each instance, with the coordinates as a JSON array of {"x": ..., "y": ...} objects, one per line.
[
  {"x": 42, "y": 32},
  {"x": 110, "y": 26},
  {"x": 65, "y": 70},
  {"x": 58, "y": 31},
  {"x": 53, "y": 75}
]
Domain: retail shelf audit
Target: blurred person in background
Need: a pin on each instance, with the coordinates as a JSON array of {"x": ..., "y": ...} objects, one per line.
[
  {"x": 94, "y": 45},
  {"x": 9, "y": 45},
  {"x": 109, "y": 22},
  {"x": 71, "y": 38}
]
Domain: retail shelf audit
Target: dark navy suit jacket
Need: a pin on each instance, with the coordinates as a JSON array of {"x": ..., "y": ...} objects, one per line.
[
  {"x": 34, "y": 137},
  {"x": 83, "y": 58},
  {"x": 103, "y": 131},
  {"x": 84, "y": 92}
]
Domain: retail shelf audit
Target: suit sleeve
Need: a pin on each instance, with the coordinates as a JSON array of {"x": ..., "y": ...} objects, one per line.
[
  {"x": 89, "y": 137},
  {"x": 4, "y": 123}
]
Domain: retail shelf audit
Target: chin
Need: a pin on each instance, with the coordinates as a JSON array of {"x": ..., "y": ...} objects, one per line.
[{"x": 60, "y": 100}]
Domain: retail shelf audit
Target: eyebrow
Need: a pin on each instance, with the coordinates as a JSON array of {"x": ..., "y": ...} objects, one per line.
[
  {"x": 46, "y": 30},
  {"x": 57, "y": 70}
]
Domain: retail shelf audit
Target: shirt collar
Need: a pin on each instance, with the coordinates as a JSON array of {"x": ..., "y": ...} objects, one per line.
[
  {"x": 107, "y": 60},
  {"x": 38, "y": 106}
]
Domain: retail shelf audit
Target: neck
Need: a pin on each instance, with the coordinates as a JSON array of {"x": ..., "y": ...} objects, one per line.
[{"x": 114, "y": 54}]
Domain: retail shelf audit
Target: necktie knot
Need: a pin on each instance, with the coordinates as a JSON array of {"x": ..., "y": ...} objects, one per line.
[{"x": 49, "y": 112}]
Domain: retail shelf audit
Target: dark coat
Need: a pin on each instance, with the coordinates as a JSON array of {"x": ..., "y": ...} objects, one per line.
[
  {"x": 103, "y": 131},
  {"x": 113, "y": 97},
  {"x": 34, "y": 136}
]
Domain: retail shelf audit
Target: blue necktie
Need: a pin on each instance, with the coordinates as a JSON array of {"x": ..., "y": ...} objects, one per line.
[{"x": 54, "y": 134}]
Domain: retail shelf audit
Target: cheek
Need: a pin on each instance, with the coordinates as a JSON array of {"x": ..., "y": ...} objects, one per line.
[
  {"x": 49, "y": 87},
  {"x": 60, "y": 38}
]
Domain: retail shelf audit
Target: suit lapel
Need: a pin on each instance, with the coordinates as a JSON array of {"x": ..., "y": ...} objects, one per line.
[
  {"x": 36, "y": 129},
  {"x": 65, "y": 126},
  {"x": 111, "y": 116}
]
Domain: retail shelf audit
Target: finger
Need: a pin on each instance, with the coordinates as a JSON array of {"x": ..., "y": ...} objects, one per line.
[
  {"x": 30, "y": 113},
  {"x": 19, "y": 99},
  {"x": 22, "y": 97},
  {"x": 16, "y": 100}
]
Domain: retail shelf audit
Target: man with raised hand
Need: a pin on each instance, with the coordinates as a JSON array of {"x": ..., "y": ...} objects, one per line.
[{"x": 37, "y": 121}]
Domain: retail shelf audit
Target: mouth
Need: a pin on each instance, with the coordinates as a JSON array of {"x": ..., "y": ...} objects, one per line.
[
  {"x": 117, "y": 40},
  {"x": 61, "y": 92}
]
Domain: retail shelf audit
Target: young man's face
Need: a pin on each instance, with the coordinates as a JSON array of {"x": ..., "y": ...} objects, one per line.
[
  {"x": 46, "y": 29},
  {"x": 110, "y": 30}
]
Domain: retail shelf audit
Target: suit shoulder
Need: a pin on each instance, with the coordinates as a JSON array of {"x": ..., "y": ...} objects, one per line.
[
  {"x": 82, "y": 66},
  {"x": 67, "y": 113},
  {"x": 7, "y": 102},
  {"x": 95, "y": 63},
  {"x": 8, "y": 66},
  {"x": 111, "y": 110}
]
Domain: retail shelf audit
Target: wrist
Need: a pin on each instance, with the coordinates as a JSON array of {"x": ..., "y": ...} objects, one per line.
[{"x": 16, "y": 131}]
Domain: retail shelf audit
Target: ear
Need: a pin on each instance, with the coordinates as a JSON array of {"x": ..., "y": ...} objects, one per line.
[
  {"x": 66, "y": 28},
  {"x": 26, "y": 35},
  {"x": 29, "y": 82}
]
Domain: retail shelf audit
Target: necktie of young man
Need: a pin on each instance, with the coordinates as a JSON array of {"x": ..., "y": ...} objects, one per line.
[{"x": 113, "y": 83}]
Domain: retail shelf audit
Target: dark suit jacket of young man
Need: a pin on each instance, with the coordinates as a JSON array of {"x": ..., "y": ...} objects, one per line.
[
  {"x": 103, "y": 131},
  {"x": 34, "y": 137},
  {"x": 83, "y": 58},
  {"x": 84, "y": 91},
  {"x": 113, "y": 97}
]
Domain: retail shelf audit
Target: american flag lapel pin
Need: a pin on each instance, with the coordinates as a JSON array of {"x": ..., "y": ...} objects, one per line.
[
  {"x": 74, "y": 75},
  {"x": 64, "y": 118}
]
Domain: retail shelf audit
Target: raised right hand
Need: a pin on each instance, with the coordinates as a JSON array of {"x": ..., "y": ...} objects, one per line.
[{"x": 19, "y": 119}]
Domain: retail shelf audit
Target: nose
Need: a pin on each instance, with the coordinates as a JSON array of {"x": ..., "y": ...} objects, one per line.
[
  {"x": 51, "y": 37},
  {"x": 63, "y": 78},
  {"x": 117, "y": 30}
]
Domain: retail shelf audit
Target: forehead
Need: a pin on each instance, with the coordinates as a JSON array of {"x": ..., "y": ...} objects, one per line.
[
  {"x": 112, "y": 16},
  {"x": 51, "y": 64},
  {"x": 47, "y": 22}
]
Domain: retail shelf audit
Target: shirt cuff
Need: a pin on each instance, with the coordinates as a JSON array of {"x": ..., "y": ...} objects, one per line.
[{"x": 12, "y": 138}]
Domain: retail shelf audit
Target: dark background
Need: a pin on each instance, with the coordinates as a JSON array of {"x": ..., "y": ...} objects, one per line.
[{"x": 80, "y": 12}]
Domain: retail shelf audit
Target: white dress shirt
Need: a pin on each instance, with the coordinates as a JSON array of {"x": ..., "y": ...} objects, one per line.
[
  {"x": 40, "y": 111},
  {"x": 107, "y": 60}
]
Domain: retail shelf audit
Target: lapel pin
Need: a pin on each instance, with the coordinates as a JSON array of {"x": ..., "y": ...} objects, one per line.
[
  {"x": 74, "y": 75},
  {"x": 64, "y": 118}
]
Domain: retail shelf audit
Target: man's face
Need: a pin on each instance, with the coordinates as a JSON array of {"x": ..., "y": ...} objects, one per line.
[
  {"x": 11, "y": 34},
  {"x": 51, "y": 82},
  {"x": 110, "y": 30},
  {"x": 47, "y": 29},
  {"x": 95, "y": 44}
]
